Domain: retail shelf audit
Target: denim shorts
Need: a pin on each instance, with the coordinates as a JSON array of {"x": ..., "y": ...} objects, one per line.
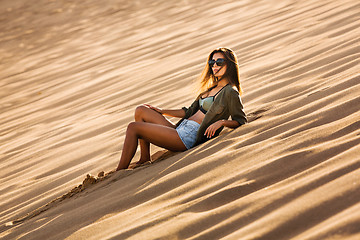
[{"x": 187, "y": 131}]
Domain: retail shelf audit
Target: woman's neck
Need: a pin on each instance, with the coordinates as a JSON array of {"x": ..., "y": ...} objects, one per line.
[{"x": 223, "y": 82}]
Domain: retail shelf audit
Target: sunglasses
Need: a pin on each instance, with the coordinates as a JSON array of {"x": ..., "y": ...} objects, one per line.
[{"x": 220, "y": 62}]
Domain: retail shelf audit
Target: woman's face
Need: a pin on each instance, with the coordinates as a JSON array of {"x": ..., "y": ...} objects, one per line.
[{"x": 218, "y": 71}]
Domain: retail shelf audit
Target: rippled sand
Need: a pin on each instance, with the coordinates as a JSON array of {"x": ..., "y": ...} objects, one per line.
[{"x": 72, "y": 73}]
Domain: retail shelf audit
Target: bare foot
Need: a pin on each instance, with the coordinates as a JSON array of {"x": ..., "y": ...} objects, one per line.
[
  {"x": 138, "y": 164},
  {"x": 141, "y": 161}
]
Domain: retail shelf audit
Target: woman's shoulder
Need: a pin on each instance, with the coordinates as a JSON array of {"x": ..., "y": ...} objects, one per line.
[{"x": 231, "y": 90}]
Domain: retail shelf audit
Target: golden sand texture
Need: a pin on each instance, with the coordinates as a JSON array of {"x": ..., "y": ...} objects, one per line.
[{"x": 72, "y": 73}]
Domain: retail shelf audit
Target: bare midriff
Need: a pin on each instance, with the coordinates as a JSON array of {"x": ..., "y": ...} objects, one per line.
[{"x": 197, "y": 117}]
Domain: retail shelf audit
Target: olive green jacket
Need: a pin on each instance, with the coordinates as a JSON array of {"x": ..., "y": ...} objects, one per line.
[{"x": 227, "y": 103}]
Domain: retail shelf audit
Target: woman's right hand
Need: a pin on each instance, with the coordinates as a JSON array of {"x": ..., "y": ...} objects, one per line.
[{"x": 159, "y": 110}]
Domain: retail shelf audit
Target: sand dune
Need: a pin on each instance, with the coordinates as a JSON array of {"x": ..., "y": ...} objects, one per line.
[{"x": 72, "y": 74}]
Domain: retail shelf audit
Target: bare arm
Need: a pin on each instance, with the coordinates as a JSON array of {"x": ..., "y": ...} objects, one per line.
[
  {"x": 179, "y": 113},
  {"x": 230, "y": 123},
  {"x": 210, "y": 131}
]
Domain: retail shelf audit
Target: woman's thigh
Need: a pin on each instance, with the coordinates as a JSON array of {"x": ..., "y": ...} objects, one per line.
[
  {"x": 149, "y": 115},
  {"x": 162, "y": 136}
]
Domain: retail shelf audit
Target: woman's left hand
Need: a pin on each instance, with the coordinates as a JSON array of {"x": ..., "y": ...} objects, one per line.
[{"x": 210, "y": 131}]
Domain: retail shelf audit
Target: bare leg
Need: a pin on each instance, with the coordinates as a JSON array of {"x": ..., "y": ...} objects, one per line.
[
  {"x": 162, "y": 136},
  {"x": 145, "y": 114}
]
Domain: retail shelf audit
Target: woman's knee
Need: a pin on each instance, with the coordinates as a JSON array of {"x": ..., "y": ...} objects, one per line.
[
  {"x": 139, "y": 112},
  {"x": 131, "y": 128},
  {"x": 135, "y": 129}
]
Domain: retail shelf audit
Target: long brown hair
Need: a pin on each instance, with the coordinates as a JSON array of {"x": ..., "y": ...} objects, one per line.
[{"x": 207, "y": 78}]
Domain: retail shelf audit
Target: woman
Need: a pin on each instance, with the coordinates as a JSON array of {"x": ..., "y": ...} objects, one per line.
[{"x": 203, "y": 120}]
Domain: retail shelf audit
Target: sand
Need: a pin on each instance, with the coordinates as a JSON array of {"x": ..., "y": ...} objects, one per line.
[{"x": 71, "y": 75}]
